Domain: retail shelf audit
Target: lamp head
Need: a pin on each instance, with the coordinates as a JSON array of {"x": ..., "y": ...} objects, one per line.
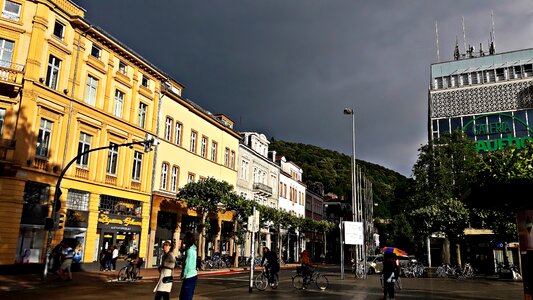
[{"x": 348, "y": 111}]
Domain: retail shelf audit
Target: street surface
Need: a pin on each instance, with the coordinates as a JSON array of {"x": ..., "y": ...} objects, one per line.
[{"x": 89, "y": 285}]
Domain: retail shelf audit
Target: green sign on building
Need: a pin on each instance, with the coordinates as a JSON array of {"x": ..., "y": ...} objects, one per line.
[{"x": 503, "y": 129}]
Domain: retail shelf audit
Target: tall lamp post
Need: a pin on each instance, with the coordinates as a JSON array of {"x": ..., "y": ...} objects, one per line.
[{"x": 355, "y": 207}]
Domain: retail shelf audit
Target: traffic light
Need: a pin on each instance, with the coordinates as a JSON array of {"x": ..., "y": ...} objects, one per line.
[
  {"x": 60, "y": 221},
  {"x": 149, "y": 141}
]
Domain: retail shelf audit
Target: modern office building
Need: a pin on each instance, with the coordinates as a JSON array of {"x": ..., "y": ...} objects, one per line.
[{"x": 488, "y": 96}]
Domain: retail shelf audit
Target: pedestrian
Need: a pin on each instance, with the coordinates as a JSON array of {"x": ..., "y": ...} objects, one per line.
[
  {"x": 189, "y": 273},
  {"x": 391, "y": 271},
  {"x": 108, "y": 255},
  {"x": 68, "y": 255},
  {"x": 166, "y": 273},
  {"x": 114, "y": 257},
  {"x": 56, "y": 257}
]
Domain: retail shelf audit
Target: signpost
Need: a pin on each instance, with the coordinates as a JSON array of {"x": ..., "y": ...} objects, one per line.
[
  {"x": 253, "y": 227},
  {"x": 353, "y": 233}
]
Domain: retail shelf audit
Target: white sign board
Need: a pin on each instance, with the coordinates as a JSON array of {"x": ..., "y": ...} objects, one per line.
[
  {"x": 353, "y": 233},
  {"x": 253, "y": 222}
]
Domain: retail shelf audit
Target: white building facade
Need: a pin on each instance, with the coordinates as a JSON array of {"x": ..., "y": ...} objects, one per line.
[{"x": 257, "y": 180}]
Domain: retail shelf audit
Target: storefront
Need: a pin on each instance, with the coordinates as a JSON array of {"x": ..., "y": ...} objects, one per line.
[
  {"x": 119, "y": 225},
  {"x": 30, "y": 245}
]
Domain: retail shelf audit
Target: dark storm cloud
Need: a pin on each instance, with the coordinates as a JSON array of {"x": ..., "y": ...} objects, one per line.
[{"x": 288, "y": 68}]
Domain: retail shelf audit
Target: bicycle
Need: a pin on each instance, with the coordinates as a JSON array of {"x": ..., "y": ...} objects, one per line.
[
  {"x": 262, "y": 280},
  {"x": 358, "y": 269},
  {"x": 128, "y": 272},
  {"x": 300, "y": 283}
]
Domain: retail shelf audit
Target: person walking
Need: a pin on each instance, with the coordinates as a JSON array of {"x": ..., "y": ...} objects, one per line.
[
  {"x": 114, "y": 257},
  {"x": 391, "y": 272},
  {"x": 68, "y": 255},
  {"x": 166, "y": 272},
  {"x": 189, "y": 273}
]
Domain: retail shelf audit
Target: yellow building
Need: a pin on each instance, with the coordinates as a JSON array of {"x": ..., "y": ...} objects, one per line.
[
  {"x": 194, "y": 144},
  {"x": 65, "y": 87}
]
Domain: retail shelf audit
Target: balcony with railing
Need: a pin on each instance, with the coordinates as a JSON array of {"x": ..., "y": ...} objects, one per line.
[
  {"x": 7, "y": 149},
  {"x": 262, "y": 189},
  {"x": 11, "y": 73}
]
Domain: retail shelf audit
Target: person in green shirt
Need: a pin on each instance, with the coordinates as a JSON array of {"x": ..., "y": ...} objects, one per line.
[{"x": 189, "y": 273}]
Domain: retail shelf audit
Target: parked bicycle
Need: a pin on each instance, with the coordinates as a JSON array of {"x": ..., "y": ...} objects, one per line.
[
  {"x": 263, "y": 280},
  {"x": 358, "y": 268},
  {"x": 300, "y": 282}
]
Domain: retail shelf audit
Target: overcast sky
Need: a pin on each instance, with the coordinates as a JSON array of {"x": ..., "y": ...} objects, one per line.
[{"x": 288, "y": 68}]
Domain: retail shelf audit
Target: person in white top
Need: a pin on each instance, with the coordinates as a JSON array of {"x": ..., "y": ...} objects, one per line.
[{"x": 114, "y": 257}]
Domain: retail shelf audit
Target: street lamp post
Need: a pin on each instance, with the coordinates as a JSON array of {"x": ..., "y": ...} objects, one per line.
[{"x": 355, "y": 206}]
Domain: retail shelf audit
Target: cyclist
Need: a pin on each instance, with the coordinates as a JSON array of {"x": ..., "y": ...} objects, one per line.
[
  {"x": 133, "y": 259},
  {"x": 272, "y": 264},
  {"x": 307, "y": 268}
]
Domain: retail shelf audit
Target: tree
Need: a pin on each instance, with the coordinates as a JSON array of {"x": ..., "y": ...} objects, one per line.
[
  {"x": 205, "y": 197},
  {"x": 499, "y": 169},
  {"x": 443, "y": 172}
]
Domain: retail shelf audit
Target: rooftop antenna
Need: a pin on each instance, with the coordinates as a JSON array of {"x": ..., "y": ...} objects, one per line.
[
  {"x": 437, "y": 37},
  {"x": 492, "y": 34},
  {"x": 464, "y": 36},
  {"x": 456, "y": 54}
]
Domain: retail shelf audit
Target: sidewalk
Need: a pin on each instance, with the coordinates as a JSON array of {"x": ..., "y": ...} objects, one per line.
[{"x": 34, "y": 281}]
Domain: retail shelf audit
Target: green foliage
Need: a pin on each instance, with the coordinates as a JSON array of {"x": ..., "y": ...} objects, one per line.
[
  {"x": 506, "y": 165},
  {"x": 206, "y": 195},
  {"x": 211, "y": 196},
  {"x": 333, "y": 170},
  {"x": 449, "y": 216},
  {"x": 445, "y": 168}
]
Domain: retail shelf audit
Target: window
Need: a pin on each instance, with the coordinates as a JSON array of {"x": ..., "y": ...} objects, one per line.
[
  {"x": 6, "y": 53},
  {"x": 84, "y": 144},
  {"x": 2, "y": 117},
  {"x": 168, "y": 128},
  {"x": 59, "y": 30},
  {"x": 137, "y": 166},
  {"x": 174, "y": 179},
  {"x": 203, "y": 150},
  {"x": 244, "y": 169},
  {"x": 90, "y": 92},
  {"x": 232, "y": 160},
  {"x": 226, "y": 157},
  {"x": 145, "y": 81},
  {"x": 11, "y": 10},
  {"x": 214, "y": 146},
  {"x": 78, "y": 200},
  {"x": 112, "y": 159},
  {"x": 119, "y": 103},
  {"x": 43, "y": 140},
  {"x": 142, "y": 114},
  {"x": 190, "y": 178},
  {"x": 177, "y": 139},
  {"x": 164, "y": 176},
  {"x": 119, "y": 206},
  {"x": 122, "y": 68},
  {"x": 96, "y": 51},
  {"x": 52, "y": 74},
  {"x": 193, "y": 141}
]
